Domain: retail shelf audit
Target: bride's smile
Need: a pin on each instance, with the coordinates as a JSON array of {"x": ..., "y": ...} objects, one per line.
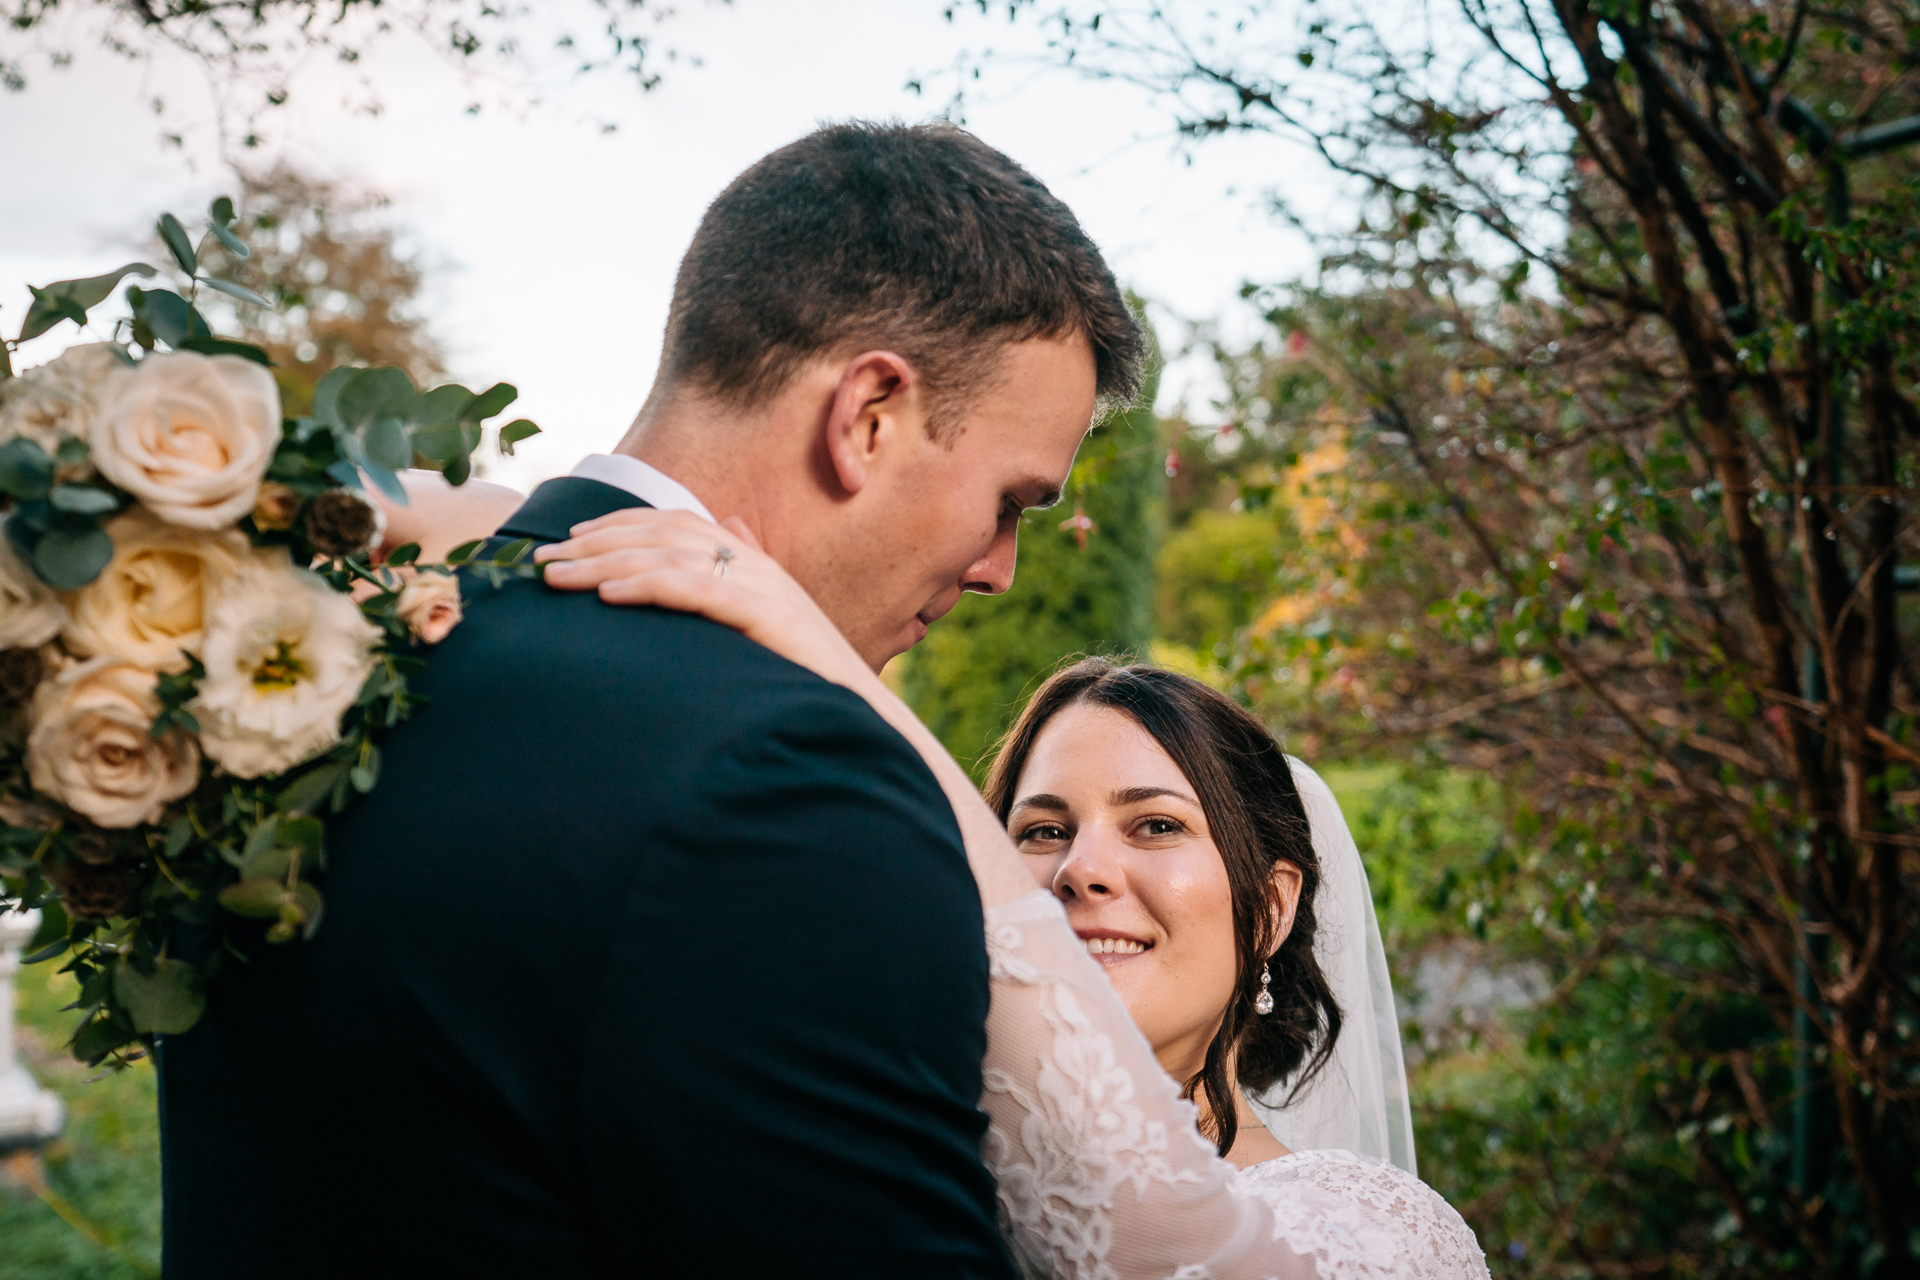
[{"x": 1111, "y": 825}]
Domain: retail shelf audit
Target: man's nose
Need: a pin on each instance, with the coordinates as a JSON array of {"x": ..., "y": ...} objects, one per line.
[
  {"x": 992, "y": 573},
  {"x": 1089, "y": 872}
]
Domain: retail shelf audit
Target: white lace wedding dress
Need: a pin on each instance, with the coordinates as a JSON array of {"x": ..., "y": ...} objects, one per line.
[{"x": 1104, "y": 1175}]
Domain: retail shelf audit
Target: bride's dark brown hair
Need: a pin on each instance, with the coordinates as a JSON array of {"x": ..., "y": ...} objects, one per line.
[{"x": 1254, "y": 814}]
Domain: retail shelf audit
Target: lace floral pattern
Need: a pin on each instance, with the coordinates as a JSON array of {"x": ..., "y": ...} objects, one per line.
[
  {"x": 1357, "y": 1216},
  {"x": 1103, "y": 1172}
]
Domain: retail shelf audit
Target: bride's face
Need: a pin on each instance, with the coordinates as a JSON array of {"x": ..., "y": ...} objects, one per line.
[{"x": 1109, "y": 823}]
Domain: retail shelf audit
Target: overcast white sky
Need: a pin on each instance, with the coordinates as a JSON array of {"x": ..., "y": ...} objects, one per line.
[{"x": 554, "y": 244}]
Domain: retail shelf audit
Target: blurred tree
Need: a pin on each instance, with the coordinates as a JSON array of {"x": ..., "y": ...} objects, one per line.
[
  {"x": 348, "y": 294},
  {"x": 1084, "y": 585},
  {"x": 251, "y": 49},
  {"x": 1631, "y": 543},
  {"x": 1213, "y": 575}
]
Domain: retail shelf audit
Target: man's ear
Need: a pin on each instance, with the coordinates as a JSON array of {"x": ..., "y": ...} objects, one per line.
[
  {"x": 877, "y": 400},
  {"x": 1285, "y": 893}
]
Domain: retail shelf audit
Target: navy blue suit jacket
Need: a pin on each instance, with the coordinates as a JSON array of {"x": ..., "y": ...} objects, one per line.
[{"x": 652, "y": 954}]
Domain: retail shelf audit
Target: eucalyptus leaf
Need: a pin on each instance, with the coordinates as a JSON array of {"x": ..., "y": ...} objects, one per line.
[
  {"x": 225, "y": 347},
  {"x": 261, "y": 837},
  {"x": 258, "y": 899},
  {"x": 178, "y": 244},
  {"x": 458, "y": 468},
  {"x": 69, "y": 559},
  {"x": 221, "y": 211},
  {"x": 87, "y": 293},
  {"x": 387, "y": 444},
  {"x": 270, "y": 863},
  {"x": 233, "y": 290},
  {"x": 99, "y": 1038},
  {"x": 514, "y": 432},
  {"x": 438, "y": 444},
  {"x": 179, "y": 836},
  {"x": 302, "y": 833},
  {"x": 305, "y": 792},
  {"x": 465, "y": 551},
  {"x": 386, "y": 481},
  {"x": 167, "y": 316},
  {"x": 311, "y": 905},
  {"x": 326, "y": 396},
  {"x": 232, "y": 243},
  {"x": 444, "y": 406},
  {"x": 48, "y": 952},
  {"x": 82, "y": 499},
  {"x": 26, "y": 472},
  {"x": 165, "y": 1002},
  {"x": 404, "y": 554},
  {"x": 491, "y": 401},
  {"x": 384, "y": 392}
]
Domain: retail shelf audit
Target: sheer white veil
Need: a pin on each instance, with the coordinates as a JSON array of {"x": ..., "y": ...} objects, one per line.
[{"x": 1358, "y": 1101}]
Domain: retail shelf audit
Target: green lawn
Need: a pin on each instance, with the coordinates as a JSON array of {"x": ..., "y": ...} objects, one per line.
[{"x": 104, "y": 1173}]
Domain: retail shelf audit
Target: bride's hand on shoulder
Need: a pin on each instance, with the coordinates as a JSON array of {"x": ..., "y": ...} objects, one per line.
[{"x": 676, "y": 560}]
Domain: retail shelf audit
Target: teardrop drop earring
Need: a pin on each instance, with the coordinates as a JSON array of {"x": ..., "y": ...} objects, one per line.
[{"x": 1263, "y": 1003}]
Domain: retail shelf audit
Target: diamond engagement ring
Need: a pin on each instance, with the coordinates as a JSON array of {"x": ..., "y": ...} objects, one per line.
[{"x": 721, "y": 554}]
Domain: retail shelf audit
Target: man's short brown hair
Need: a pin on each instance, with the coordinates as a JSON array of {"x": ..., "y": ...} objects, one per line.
[{"x": 918, "y": 239}]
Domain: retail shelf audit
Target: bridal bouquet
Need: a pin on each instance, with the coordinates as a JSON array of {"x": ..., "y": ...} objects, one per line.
[{"x": 198, "y": 658}]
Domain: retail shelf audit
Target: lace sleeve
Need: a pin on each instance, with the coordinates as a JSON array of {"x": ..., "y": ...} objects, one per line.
[{"x": 1103, "y": 1172}]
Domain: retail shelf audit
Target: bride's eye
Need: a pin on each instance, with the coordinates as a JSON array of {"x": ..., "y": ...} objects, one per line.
[
  {"x": 1041, "y": 833},
  {"x": 1161, "y": 827}
]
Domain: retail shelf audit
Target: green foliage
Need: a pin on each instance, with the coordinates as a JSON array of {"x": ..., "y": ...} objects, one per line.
[
  {"x": 969, "y": 676},
  {"x": 1214, "y": 574}
]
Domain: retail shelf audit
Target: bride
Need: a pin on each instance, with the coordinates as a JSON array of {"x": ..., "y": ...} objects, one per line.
[{"x": 1167, "y": 823}]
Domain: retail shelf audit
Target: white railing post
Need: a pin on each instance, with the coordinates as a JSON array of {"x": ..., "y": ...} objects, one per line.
[{"x": 29, "y": 1115}]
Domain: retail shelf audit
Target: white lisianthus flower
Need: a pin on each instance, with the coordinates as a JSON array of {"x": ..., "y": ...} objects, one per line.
[
  {"x": 30, "y": 611},
  {"x": 61, "y": 397},
  {"x": 285, "y": 657},
  {"x": 149, "y": 604},
  {"x": 189, "y": 435},
  {"x": 90, "y": 748}
]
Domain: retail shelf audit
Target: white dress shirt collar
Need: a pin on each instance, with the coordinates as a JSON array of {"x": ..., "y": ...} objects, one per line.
[{"x": 649, "y": 484}]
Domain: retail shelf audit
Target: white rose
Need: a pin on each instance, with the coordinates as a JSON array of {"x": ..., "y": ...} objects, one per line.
[
  {"x": 285, "y": 655},
  {"x": 430, "y": 606},
  {"x": 90, "y": 748},
  {"x": 30, "y": 611},
  {"x": 61, "y": 397},
  {"x": 149, "y": 604},
  {"x": 189, "y": 435}
]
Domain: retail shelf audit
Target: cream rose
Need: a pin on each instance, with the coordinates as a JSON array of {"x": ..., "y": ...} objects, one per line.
[
  {"x": 90, "y": 748},
  {"x": 30, "y": 610},
  {"x": 61, "y": 397},
  {"x": 430, "y": 606},
  {"x": 189, "y": 435},
  {"x": 285, "y": 657},
  {"x": 149, "y": 604}
]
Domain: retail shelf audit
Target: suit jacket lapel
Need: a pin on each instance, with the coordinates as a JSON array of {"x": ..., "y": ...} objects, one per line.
[{"x": 558, "y": 505}]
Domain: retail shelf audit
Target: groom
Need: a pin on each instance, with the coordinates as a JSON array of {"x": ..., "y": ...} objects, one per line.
[{"x": 654, "y": 954}]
